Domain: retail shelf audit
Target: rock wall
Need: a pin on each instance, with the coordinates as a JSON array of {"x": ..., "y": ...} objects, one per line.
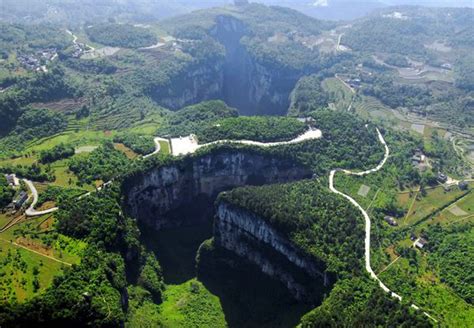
[
  {"x": 152, "y": 195},
  {"x": 252, "y": 238},
  {"x": 248, "y": 85},
  {"x": 198, "y": 83},
  {"x": 238, "y": 79}
]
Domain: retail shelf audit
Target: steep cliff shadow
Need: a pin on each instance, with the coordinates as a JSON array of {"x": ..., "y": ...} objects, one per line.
[
  {"x": 248, "y": 297},
  {"x": 176, "y": 247}
]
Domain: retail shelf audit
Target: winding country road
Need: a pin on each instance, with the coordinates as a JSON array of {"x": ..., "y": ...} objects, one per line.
[
  {"x": 31, "y": 210},
  {"x": 157, "y": 146},
  {"x": 309, "y": 135},
  {"x": 74, "y": 40},
  {"x": 368, "y": 266},
  {"x": 189, "y": 144}
]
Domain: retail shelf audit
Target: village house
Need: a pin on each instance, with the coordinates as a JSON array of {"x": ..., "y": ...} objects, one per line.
[
  {"x": 443, "y": 178},
  {"x": 419, "y": 160},
  {"x": 390, "y": 220},
  {"x": 447, "y": 66},
  {"x": 10, "y": 179},
  {"x": 353, "y": 82},
  {"x": 463, "y": 185},
  {"x": 20, "y": 200},
  {"x": 420, "y": 243}
]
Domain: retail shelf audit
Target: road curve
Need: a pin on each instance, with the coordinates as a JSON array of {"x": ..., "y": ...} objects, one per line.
[
  {"x": 157, "y": 146},
  {"x": 310, "y": 134},
  {"x": 189, "y": 144},
  {"x": 368, "y": 266},
  {"x": 31, "y": 210}
]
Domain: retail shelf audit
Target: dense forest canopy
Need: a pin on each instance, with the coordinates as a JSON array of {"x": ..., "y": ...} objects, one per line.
[
  {"x": 307, "y": 96},
  {"x": 261, "y": 23},
  {"x": 449, "y": 247},
  {"x": 121, "y": 35},
  {"x": 464, "y": 72},
  {"x": 43, "y": 87},
  {"x": 103, "y": 164},
  {"x": 303, "y": 211},
  {"x": 32, "y": 124},
  {"x": 30, "y": 38},
  {"x": 408, "y": 33},
  {"x": 190, "y": 119},
  {"x": 6, "y": 192},
  {"x": 56, "y": 153},
  {"x": 140, "y": 144},
  {"x": 256, "y": 128}
]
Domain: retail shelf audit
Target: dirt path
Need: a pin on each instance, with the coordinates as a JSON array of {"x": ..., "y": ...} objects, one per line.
[
  {"x": 74, "y": 40},
  {"x": 344, "y": 82},
  {"x": 33, "y": 251},
  {"x": 12, "y": 223},
  {"x": 412, "y": 204}
]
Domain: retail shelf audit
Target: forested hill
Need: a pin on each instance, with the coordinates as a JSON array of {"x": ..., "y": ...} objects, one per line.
[
  {"x": 325, "y": 226},
  {"x": 410, "y": 30},
  {"x": 270, "y": 34}
]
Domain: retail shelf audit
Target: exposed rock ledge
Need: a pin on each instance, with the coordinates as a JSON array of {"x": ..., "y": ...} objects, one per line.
[
  {"x": 249, "y": 236},
  {"x": 158, "y": 191}
]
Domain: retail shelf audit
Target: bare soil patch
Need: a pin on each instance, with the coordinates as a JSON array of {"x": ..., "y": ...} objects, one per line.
[
  {"x": 363, "y": 190},
  {"x": 457, "y": 211}
]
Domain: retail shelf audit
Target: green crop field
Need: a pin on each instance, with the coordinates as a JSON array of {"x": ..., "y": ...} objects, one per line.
[
  {"x": 373, "y": 109},
  {"x": 434, "y": 200},
  {"x": 88, "y": 137},
  {"x": 165, "y": 147},
  {"x": 449, "y": 216},
  {"x": 340, "y": 93}
]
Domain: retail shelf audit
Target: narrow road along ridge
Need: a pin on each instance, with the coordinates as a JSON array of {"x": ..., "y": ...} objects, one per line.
[{"x": 368, "y": 266}]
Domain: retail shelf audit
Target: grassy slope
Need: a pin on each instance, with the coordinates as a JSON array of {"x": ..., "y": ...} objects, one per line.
[
  {"x": 340, "y": 93},
  {"x": 191, "y": 305},
  {"x": 18, "y": 251}
]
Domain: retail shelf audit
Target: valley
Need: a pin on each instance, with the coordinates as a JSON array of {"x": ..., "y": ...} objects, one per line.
[{"x": 239, "y": 166}]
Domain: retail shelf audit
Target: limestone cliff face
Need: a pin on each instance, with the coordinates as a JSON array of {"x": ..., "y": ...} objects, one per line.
[
  {"x": 237, "y": 78},
  {"x": 152, "y": 195},
  {"x": 251, "y": 237},
  {"x": 198, "y": 83},
  {"x": 248, "y": 85}
]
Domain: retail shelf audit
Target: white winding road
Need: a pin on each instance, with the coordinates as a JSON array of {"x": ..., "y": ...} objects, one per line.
[
  {"x": 31, "y": 210},
  {"x": 191, "y": 146},
  {"x": 157, "y": 146},
  {"x": 74, "y": 40},
  {"x": 368, "y": 266}
]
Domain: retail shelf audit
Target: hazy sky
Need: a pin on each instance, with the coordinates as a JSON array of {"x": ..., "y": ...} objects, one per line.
[{"x": 80, "y": 10}]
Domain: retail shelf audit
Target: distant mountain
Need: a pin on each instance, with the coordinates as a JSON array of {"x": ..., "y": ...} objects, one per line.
[
  {"x": 432, "y": 3},
  {"x": 336, "y": 9},
  {"x": 352, "y": 9},
  {"x": 80, "y": 11}
]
